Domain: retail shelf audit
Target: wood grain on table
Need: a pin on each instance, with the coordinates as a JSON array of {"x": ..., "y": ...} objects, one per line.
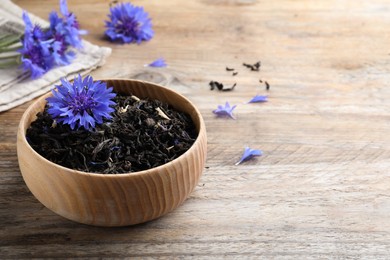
[{"x": 322, "y": 187}]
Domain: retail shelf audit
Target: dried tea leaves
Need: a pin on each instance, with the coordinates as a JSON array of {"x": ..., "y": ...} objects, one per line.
[{"x": 143, "y": 134}]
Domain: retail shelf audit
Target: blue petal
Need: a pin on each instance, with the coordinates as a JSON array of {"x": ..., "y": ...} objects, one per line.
[
  {"x": 160, "y": 62},
  {"x": 55, "y": 21},
  {"x": 258, "y": 98},
  {"x": 27, "y": 21},
  {"x": 227, "y": 110},
  {"x": 248, "y": 154},
  {"x": 64, "y": 8}
]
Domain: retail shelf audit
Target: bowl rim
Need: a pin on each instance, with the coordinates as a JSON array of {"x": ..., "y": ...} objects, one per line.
[{"x": 202, "y": 130}]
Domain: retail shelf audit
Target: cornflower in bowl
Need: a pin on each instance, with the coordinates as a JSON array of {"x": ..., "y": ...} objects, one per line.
[
  {"x": 84, "y": 103},
  {"x": 128, "y": 23},
  {"x": 119, "y": 172}
]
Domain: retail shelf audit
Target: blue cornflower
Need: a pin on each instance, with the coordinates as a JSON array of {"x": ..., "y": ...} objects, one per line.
[
  {"x": 248, "y": 154},
  {"x": 160, "y": 62},
  {"x": 84, "y": 103},
  {"x": 226, "y": 110},
  {"x": 129, "y": 23},
  {"x": 36, "y": 50},
  {"x": 44, "y": 49}
]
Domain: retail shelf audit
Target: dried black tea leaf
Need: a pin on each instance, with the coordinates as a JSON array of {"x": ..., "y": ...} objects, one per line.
[
  {"x": 253, "y": 67},
  {"x": 267, "y": 86},
  {"x": 231, "y": 88},
  {"x": 220, "y": 86}
]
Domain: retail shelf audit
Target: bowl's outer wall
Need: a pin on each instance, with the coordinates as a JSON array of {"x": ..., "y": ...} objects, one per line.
[{"x": 109, "y": 199}]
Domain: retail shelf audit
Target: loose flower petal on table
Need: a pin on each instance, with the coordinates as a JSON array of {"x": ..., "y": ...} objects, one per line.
[
  {"x": 226, "y": 110},
  {"x": 258, "y": 98},
  {"x": 248, "y": 154},
  {"x": 160, "y": 62}
]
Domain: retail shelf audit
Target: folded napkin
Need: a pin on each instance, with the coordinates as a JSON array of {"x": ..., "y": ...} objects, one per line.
[{"x": 16, "y": 87}]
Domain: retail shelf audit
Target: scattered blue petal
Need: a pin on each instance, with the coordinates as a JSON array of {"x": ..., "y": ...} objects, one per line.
[
  {"x": 226, "y": 110},
  {"x": 248, "y": 154},
  {"x": 160, "y": 62},
  {"x": 258, "y": 98},
  {"x": 128, "y": 23},
  {"x": 83, "y": 103}
]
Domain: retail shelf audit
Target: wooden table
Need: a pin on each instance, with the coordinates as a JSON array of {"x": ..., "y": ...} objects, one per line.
[{"x": 322, "y": 187}]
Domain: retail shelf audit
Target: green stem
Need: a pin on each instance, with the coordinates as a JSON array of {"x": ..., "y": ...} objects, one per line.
[
  {"x": 9, "y": 40},
  {"x": 9, "y": 49},
  {"x": 9, "y": 63},
  {"x": 6, "y": 35},
  {"x": 9, "y": 55}
]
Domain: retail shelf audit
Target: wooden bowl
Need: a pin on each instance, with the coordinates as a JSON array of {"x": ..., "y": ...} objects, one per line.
[{"x": 115, "y": 199}]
